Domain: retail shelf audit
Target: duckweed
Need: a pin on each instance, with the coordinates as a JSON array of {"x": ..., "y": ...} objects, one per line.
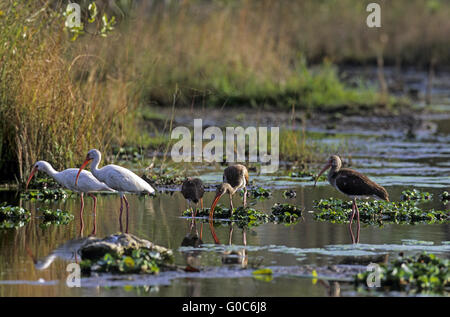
[{"x": 421, "y": 273}]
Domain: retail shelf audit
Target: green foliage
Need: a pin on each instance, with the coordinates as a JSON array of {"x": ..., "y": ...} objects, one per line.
[
  {"x": 286, "y": 213},
  {"x": 445, "y": 196},
  {"x": 416, "y": 195},
  {"x": 260, "y": 192},
  {"x": 377, "y": 212},
  {"x": 46, "y": 194},
  {"x": 423, "y": 273},
  {"x": 13, "y": 216},
  {"x": 140, "y": 261},
  {"x": 289, "y": 193}
]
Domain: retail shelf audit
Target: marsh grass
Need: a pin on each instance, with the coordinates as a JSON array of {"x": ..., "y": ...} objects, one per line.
[{"x": 46, "y": 112}]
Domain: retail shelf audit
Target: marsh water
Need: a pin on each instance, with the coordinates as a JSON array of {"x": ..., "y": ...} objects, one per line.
[{"x": 33, "y": 259}]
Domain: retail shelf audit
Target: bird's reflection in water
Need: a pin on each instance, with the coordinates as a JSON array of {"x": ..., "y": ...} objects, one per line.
[
  {"x": 67, "y": 252},
  {"x": 233, "y": 257},
  {"x": 333, "y": 288},
  {"x": 193, "y": 239},
  {"x": 358, "y": 228}
]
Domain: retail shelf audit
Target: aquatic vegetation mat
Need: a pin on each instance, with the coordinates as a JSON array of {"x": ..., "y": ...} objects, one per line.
[
  {"x": 416, "y": 195},
  {"x": 286, "y": 213},
  {"x": 248, "y": 217},
  {"x": 124, "y": 253},
  {"x": 378, "y": 212},
  {"x": 260, "y": 192},
  {"x": 54, "y": 217},
  {"x": 13, "y": 216},
  {"x": 421, "y": 273},
  {"x": 46, "y": 194}
]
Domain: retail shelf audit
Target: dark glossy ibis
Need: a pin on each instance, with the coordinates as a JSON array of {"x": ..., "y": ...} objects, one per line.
[
  {"x": 193, "y": 190},
  {"x": 352, "y": 183},
  {"x": 234, "y": 177}
]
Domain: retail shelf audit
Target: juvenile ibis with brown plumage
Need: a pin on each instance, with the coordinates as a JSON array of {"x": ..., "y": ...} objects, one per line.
[
  {"x": 352, "y": 183},
  {"x": 193, "y": 190},
  {"x": 234, "y": 177}
]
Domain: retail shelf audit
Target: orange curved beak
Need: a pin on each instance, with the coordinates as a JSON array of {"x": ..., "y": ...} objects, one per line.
[
  {"x": 86, "y": 162},
  {"x": 321, "y": 172},
  {"x": 213, "y": 206},
  {"x": 33, "y": 171}
]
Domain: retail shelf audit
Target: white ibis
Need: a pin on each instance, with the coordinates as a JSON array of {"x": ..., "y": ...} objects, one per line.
[
  {"x": 352, "y": 183},
  {"x": 234, "y": 178},
  {"x": 119, "y": 178},
  {"x": 87, "y": 183},
  {"x": 193, "y": 190}
]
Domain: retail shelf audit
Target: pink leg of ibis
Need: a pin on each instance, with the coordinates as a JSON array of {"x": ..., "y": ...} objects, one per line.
[{"x": 81, "y": 215}]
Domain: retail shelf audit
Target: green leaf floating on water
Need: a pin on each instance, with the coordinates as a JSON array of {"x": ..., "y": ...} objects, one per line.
[{"x": 265, "y": 271}]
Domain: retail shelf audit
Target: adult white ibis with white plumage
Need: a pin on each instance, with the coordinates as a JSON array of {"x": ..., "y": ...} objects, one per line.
[
  {"x": 352, "y": 183},
  {"x": 119, "y": 178},
  {"x": 87, "y": 182},
  {"x": 234, "y": 178}
]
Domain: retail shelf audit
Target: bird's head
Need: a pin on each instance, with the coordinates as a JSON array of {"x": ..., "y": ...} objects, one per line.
[
  {"x": 220, "y": 191},
  {"x": 38, "y": 166},
  {"x": 91, "y": 155},
  {"x": 333, "y": 161}
]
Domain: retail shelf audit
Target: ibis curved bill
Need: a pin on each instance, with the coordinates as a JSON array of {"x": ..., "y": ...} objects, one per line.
[
  {"x": 234, "y": 178},
  {"x": 118, "y": 178},
  {"x": 87, "y": 184},
  {"x": 353, "y": 184}
]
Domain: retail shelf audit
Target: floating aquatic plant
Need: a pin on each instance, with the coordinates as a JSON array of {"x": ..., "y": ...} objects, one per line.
[
  {"x": 376, "y": 212},
  {"x": 248, "y": 217},
  {"x": 55, "y": 217},
  {"x": 286, "y": 213},
  {"x": 289, "y": 193},
  {"x": 139, "y": 261},
  {"x": 415, "y": 195},
  {"x": 46, "y": 194},
  {"x": 260, "y": 192},
  {"x": 445, "y": 196},
  {"x": 13, "y": 216},
  {"x": 416, "y": 274},
  {"x": 245, "y": 217}
]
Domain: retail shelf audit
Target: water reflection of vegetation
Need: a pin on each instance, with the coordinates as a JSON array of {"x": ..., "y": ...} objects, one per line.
[
  {"x": 13, "y": 216},
  {"x": 52, "y": 217}
]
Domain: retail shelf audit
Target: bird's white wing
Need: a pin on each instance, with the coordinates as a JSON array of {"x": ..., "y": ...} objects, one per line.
[{"x": 124, "y": 180}]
